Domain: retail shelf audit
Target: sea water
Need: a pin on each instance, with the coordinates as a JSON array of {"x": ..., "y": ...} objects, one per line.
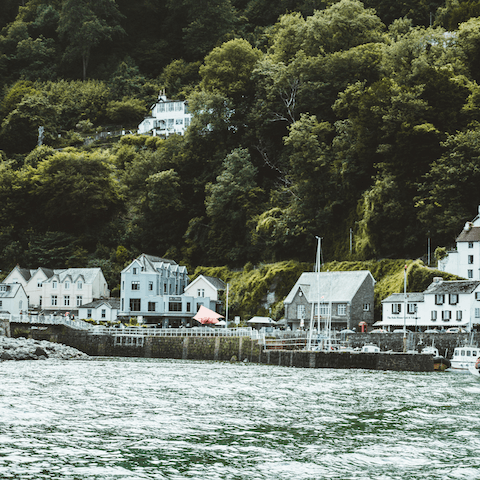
[{"x": 125, "y": 418}]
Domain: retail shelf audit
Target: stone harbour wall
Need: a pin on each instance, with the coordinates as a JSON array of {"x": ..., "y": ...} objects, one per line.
[{"x": 230, "y": 349}]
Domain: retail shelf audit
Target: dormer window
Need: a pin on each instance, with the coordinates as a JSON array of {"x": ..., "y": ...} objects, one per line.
[
  {"x": 67, "y": 285},
  {"x": 54, "y": 284},
  {"x": 80, "y": 285}
]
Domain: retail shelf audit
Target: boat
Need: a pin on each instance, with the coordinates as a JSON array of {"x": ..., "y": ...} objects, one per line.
[
  {"x": 371, "y": 348},
  {"x": 440, "y": 363},
  {"x": 474, "y": 370},
  {"x": 464, "y": 357}
]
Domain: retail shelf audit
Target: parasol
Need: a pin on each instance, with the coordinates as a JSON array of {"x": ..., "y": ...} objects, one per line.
[{"x": 205, "y": 315}]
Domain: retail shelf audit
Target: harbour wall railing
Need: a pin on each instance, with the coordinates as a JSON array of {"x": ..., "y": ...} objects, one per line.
[{"x": 48, "y": 320}]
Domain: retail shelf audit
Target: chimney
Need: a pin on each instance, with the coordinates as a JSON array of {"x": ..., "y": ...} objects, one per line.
[{"x": 437, "y": 279}]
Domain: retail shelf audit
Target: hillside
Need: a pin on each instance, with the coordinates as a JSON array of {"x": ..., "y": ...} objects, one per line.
[{"x": 356, "y": 122}]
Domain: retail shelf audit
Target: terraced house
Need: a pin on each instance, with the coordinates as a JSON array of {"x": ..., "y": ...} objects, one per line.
[{"x": 153, "y": 291}]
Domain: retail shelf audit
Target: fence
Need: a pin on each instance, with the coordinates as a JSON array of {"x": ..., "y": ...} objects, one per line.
[{"x": 173, "y": 332}]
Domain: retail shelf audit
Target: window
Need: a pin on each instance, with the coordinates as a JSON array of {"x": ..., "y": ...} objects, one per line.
[
  {"x": 439, "y": 299},
  {"x": 453, "y": 298},
  {"x": 342, "y": 309},
  {"x": 79, "y": 285},
  {"x": 150, "y": 286},
  {"x": 366, "y": 307},
  {"x": 446, "y": 315},
  {"x": 470, "y": 273},
  {"x": 164, "y": 288},
  {"x": 199, "y": 305},
  {"x": 179, "y": 121},
  {"x": 67, "y": 285},
  {"x": 477, "y": 313},
  {"x": 187, "y": 122},
  {"x": 135, "y": 270},
  {"x": 170, "y": 123},
  {"x": 324, "y": 309},
  {"x": 66, "y": 300},
  {"x": 39, "y": 284},
  {"x": 188, "y": 306},
  {"x": 301, "y": 312},
  {"x": 174, "y": 306},
  {"x": 0, "y": 303},
  {"x": 104, "y": 313},
  {"x": 396, "y": 308},
  {"x": 79, "y": 300},
  {"x": 411, "y": 308},
  {"x": 151, "y": 306},
  {"x": 40, "y": 302},
  {"x": 477, "y": 295},
  {"x": 459, "y": 314},
  {"x": 433, "y": 315},
  {"x": 470, "y": 244},
  {"x": 54, "y": 284},
  {"x": 54, "y": 299},
  {"x": 135, "y": 285},
  {"x": 200, "y": 292},
  {"x": 135, "y": 304},
  {"x": 89, "y": 313},
  {"x": 470, "y": 259}
]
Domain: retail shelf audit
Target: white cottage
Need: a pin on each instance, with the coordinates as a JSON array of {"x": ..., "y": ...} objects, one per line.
[
  {"x": 168, "y": 117},
  {"x": 209, "y": 287},
  {"x": 13, "y": 299},
  {"x": 442, "y": 305},
  {"x": 103, "y": 310}
]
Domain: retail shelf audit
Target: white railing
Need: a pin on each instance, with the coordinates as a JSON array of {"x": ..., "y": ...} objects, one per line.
[
  {"x": 49, "y": 320},
  {"x": 171, "y": 332}
]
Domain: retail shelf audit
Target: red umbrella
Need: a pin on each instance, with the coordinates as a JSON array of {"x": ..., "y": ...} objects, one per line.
[{"x": 205, "y": 315}]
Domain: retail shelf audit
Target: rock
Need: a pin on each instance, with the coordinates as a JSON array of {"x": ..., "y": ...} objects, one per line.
[
  {"x": 40, "y": 352},
  {"x": 5, "y": 356}
]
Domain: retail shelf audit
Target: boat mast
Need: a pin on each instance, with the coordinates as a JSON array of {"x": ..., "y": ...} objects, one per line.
[{"x": 312, "y": 316}]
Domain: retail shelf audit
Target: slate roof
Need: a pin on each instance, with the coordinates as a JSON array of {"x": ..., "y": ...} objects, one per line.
[
  {"x": 216, "y": 282},
  {"x": 11, "y": 291},
  {"x": 113, "y": 302},
  {"x": 88, "y": 274},
  {"x": 472, "y": 235},
  {"x": 453, "y": 286},
  {"x": 334, "y": 286},
  {"x": 412, "y": 297}
]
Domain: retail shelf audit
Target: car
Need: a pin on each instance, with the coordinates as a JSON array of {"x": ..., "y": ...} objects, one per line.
[
  {"x": 400, "y": 330},
  {"x": 455, "y": 330},
  {"x": 379, "y": 330},
  {"x": 431, "y": 330}
]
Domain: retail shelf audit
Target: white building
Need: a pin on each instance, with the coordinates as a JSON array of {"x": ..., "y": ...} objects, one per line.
[
  {"x": 103, "y": 310},
  {"x": 13, "y": 299},
  {"x": 168, "y": 117},
  {"x": 209, "y": 287},
  {"x": 465, "y": 260},
  {"x": 442, "y": 305},
  {"x": 59, "y": 290}
]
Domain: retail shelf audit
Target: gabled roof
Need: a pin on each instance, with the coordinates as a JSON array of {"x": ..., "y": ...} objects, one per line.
[
  {"x": 113, "y": 303},
  {"x": 153, "y": 264},
  {"x": 471, "y": 235},
  {"x": 333, "y": 287},
  {"x": 88, "y": 274},
  {"x": 216, "y": 283},
  {"x": 11, "y": 290},
  {"x": 400, "y": 297},
  {"x": 454, "y": 286}
]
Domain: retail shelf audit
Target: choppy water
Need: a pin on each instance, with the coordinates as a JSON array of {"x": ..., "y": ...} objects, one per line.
[{"x": 164, "y": 419}]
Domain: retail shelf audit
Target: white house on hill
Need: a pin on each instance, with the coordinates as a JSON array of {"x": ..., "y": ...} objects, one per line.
[
  {"x": 206, "y": 286},
  {"x": 168, "y": 117},
  {"x": 465, "y": 260}
]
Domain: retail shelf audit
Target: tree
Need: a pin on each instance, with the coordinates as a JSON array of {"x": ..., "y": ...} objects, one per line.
[
  {"x": 84, "y": 24},
  {"x": 228, "y": 69}
]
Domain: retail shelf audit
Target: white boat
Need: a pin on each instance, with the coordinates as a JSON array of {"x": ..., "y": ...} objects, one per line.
[
  {"x": 464, "y": 357},
  {"x": 473, "y": 370},
  {"x": 371, "y": 348},
  {"x": 440, "y": 363}
]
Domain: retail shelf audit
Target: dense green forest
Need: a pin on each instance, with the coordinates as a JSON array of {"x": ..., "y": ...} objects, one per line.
[{"x": 343, "y": 120}]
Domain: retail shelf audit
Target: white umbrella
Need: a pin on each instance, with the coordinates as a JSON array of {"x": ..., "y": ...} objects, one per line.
[{"x": 262, "y": 321}]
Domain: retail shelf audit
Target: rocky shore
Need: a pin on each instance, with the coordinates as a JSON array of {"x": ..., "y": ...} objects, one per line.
[{"x": 29, "y": 349}]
